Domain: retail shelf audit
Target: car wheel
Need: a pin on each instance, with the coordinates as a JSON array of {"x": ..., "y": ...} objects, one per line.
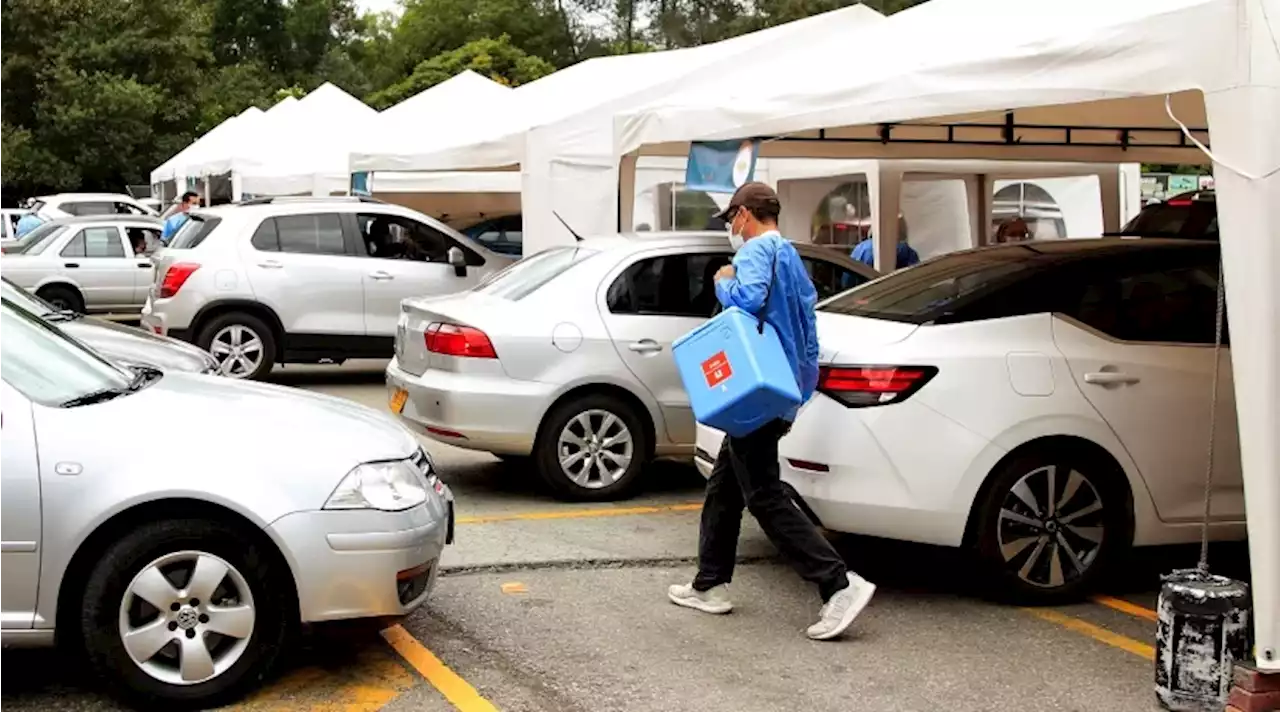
[
  {"x": 243, "y": 345},
  {"x": 1051, "y": 524},
  {"x": 592, "y": 449},
  {"x": 62, "y": 298},
  {"x": 186, "y": 614}
]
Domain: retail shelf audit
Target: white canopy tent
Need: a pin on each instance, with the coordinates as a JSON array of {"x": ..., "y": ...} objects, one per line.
[
  {"x": 298, "y": 148},
  {"x": 175, "y": 169},
  {"x": 458, "y": 198},
  {"x": 1089, "y": 81},
  {"x": 559, "y": 131}
]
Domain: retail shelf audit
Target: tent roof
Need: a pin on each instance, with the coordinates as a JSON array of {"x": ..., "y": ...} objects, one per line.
[
  {"x": 497, "y": 139},
  {"x": 168, "y": 170},
  {"x": 1089, "y": 64},
  {"x": 462, "y": 89}
]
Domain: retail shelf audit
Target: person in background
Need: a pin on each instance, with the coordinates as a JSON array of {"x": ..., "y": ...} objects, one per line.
[
  {"x": 865, "y": 251},
  {"x": 768, "y": 278},
  {"x": 1013, "y": 230},
  {"x": 175, "y": 222},
  {"x": 27, "y": 223}
]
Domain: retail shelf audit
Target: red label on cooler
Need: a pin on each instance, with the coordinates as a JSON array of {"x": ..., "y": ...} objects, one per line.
[{"x": 716, "y": 370}]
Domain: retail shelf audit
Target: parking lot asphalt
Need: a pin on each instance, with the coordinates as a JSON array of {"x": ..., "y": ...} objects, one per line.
[{"x": 546, "y": 605}]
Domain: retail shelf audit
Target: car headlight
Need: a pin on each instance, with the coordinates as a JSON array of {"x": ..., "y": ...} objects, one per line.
[{"x": 387, "y": 486}]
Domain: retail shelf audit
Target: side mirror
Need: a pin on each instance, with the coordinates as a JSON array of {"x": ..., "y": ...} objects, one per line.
[{"x": 458, "y": 260}]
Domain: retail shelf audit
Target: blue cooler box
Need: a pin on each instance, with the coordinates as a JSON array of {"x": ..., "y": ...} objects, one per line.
[{"x": 737, "y": 378}]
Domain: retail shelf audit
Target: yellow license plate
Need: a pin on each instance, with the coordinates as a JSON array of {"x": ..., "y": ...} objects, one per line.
[{"x": 398, "y": 399}]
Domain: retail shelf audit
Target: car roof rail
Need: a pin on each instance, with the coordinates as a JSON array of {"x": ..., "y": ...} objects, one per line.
[{"x": 282, "y": 199}]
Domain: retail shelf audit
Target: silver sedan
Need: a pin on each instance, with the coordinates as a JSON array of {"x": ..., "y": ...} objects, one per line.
[
  {"x": 183, "y": 564},
  {"x": 565, "y": 356},
  {"x": 95, "y": 264}
]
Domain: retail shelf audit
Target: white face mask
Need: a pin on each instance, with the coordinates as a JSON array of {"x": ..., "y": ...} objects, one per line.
[{"x": 736, "y": 240}]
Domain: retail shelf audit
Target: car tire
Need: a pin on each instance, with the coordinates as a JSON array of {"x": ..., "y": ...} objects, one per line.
[
  {"x": 620, "y": 441},
  {"x": 1038, "y": 550},
  {"x": 62, "y": 297},
  {"x": 226, "y": 329},
  {"x": 176, "y": 549}
]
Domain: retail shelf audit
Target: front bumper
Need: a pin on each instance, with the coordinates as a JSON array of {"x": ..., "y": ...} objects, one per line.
[
  {"x": 362, "y": 564},
  {"x": 479, "y": 412}
]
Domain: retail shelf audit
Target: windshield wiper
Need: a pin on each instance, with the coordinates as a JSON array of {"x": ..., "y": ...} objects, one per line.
[
  {"x": 99, "y": 396},
  {"x": 57, "y": 317},
  {"x": 143, "y": 376}
]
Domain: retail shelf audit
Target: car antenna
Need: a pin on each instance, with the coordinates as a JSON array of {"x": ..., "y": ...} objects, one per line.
[{"x": 576, "y": 236}]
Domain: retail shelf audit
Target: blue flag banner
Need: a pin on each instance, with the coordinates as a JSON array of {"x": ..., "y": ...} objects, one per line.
[
  {"x": 720, "y": 166},
  {"x": 360, "y": 183}
]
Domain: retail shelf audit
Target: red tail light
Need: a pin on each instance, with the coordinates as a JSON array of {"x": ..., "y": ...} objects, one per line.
[
  {"x": 864, "y": 386},
  {"x": 175, "y": 277},
  {"x": 1179, "y": 203},
  {"x": 454, "y": 340}
]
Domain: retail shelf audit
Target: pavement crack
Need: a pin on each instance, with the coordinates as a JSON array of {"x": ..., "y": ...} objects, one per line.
[{"x": 593, "y": 564}]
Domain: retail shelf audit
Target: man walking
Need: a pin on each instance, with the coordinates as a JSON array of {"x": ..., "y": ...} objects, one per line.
[
  {"x": 171, "y": 226},
  {"x": 746, "y": 472}
]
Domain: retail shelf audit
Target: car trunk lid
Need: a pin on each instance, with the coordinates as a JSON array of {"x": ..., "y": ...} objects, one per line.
[{"x": 843, "y": 337}]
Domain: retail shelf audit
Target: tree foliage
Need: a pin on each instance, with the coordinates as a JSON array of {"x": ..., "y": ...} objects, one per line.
[{"x": 95, "y": 93}]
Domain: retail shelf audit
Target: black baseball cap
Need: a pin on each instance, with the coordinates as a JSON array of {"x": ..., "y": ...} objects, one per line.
[{"x": 757, "y": 197}]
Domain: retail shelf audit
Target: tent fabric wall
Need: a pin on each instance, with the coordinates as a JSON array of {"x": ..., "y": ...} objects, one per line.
[
  {"x": 176, "y": 168},
  {"x": 1088, "y": 63}
]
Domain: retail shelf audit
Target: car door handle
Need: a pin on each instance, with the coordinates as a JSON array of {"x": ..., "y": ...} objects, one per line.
[
  {"x": 270, "y": 264},
  {"x": 645, "y": 346},
  {"x": 72, "y": 265},
  {"x": 1110, "y": 378},
  {"x": 381, "y": 276},
  {"x": 144, "y": 265}
]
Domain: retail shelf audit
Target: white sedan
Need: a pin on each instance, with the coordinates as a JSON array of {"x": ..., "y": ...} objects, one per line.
[{"x": 1044, "y": 404}]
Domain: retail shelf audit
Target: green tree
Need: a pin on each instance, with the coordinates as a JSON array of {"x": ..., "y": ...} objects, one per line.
[
  {"x": 432, "y": 27},
  {"x": 497, "y": 59},
  {"x": 251, "y": 30}
]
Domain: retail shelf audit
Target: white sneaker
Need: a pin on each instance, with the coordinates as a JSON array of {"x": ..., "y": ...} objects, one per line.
[
  {"x": 713, "y": 600},
  {"x": 838, "y": 613}
]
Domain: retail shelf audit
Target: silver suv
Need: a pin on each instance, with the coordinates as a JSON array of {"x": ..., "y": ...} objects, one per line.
[{"x": 304, "y": 280}]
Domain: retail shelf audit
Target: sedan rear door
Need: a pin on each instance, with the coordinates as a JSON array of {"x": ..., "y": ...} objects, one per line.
[
  {"x": 651, "y": 300},
  {"x": 98, "y": 260}
]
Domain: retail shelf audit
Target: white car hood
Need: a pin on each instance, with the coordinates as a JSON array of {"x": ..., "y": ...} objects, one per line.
[{"x": 272, "y": 449}]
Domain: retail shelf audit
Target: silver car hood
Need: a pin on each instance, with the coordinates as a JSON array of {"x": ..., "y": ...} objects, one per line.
[
  {"x": 130, "y": 345},
  {"x": 271, "y": 449}
]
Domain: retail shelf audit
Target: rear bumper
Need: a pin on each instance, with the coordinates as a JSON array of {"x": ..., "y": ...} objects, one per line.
[
  {"x": 492, "y": 414},
  {"x": 875, "y": 478}
]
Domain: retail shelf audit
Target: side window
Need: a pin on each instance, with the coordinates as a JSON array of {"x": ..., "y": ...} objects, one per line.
[
  {"x": 672, "y": 285},
  {"x": 829, "y": 278},
  {"x": 1172, "y": 305},
  {"x": 318, "y": 234},
  {"x": 128, "y": 209},
  {"x": 88, "y": 208},
  {"x": 266, "y": 238},
  {"x": 95, "y": 242},
  {"x": 394, "y": 237},
  {"x": 144, "y": 240}
]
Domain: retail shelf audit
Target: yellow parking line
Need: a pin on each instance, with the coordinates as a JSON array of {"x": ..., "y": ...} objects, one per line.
[
  {"x": 1133, "y": 609},
  {"x": 456, "y": 690},
  {"x": 1115, "y": 640},
  {"x": 579, "y": 513}
]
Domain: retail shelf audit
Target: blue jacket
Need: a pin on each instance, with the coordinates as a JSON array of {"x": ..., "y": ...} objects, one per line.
[
  {"x": 27, "y": 223},
  {"x": 790, "y": 307},
  {"x": 865, "y": 252},
  {"x": 171, "y": 227}
]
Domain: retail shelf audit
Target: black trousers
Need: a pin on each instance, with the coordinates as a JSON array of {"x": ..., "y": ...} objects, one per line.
[{"x": 746, "y": 475}]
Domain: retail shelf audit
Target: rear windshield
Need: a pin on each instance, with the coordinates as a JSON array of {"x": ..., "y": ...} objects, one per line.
[
  {"x": 41, "y": 243},
  {"x": 1188, "y": 219},
  {"x": 931, "y": 290},
  {"x": 526, "y": 276},
  {"x": 193, "y": 232}
]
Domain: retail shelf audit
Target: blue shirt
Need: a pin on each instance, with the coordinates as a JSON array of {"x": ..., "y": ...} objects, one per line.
[
  {"x": 865, "y": 252},
  {"x": 171, "y": 227},
  {"x": 790, "y": 308},
  {"x": 29, "y": 222}
]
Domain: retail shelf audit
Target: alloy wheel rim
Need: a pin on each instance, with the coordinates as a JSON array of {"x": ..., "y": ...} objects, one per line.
[
  {"x": 595, "y": 449},
  {"x": 187, "y": 617},
  {"x": 238, "y": 350},
  {"x": 1051, "y": 526}
]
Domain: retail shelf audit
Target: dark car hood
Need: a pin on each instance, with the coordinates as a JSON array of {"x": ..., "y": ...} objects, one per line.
[{"x": 131, "y": 345}]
